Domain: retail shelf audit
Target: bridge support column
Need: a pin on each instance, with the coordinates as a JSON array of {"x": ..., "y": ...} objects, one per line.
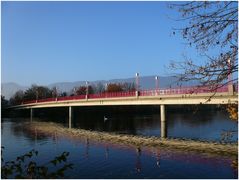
[
  {"x": 163, "y": 122},
  {"x": 31, "y": 113},
  {"x": 70, "y": 116}
]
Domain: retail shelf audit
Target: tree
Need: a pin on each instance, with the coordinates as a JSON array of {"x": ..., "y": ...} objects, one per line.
[
  {"x": 17, "y": 98},
  {"x": 90, "y": 90},
  {"x": 99, "y": 88},
  {"x": 32, "y": 93},
  {"x": 114, "y": 87},
  {"x": 232, "y": 109},
  {"x": 82, "y": 90},
  {"x": 54, "y": 92},
  {"x": 129, "y": 87},
  {"x": 4, "y": 102},
  {"x": 37, "y": 92},
  {"x": 210, "y": 25},
  {"x": 63, "y": 94},
  {"x": 118, "y": 87}
]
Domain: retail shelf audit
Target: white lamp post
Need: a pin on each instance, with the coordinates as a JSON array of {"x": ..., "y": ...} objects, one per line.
[
  {"x": 36, "y": 95},
  {"x": 87, "y": 87},
  {"x": 229, "y": 71},
  {"x": 156, "y": 84},
  {"x": 56, "y": 94},
  {"x": 137, "y": 81},
  {"x": 106, "y": 86}
]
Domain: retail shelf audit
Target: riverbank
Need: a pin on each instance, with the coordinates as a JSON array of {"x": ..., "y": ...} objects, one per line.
[{"x": 139, "y": 141}]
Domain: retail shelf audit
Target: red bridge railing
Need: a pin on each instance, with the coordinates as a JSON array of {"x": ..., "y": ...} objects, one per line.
[
  {"x": 112, "y": 95},
  {"x": 156, "y": 92},
  {"x": 71, "y": 98},
  {"x": 183, "y": 90}
]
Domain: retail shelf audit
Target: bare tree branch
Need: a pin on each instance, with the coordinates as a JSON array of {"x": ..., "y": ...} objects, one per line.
[{"x": 211, "y": 24}]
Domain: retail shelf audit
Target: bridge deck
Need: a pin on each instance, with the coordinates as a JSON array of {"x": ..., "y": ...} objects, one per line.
[{"x": 168, "y": 99}]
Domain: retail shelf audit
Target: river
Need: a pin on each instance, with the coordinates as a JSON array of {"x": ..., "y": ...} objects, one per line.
[{"x": 94, "y": 159}]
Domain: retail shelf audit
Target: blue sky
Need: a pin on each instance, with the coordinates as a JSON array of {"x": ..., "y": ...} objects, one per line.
[{"x": 47, "y": 42}]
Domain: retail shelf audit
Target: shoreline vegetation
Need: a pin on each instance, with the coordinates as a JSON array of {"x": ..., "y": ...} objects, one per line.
[{"x": 225, "y": 149}]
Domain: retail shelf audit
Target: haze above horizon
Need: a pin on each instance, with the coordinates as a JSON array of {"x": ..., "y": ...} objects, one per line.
[{"x": 47, "y": 42}]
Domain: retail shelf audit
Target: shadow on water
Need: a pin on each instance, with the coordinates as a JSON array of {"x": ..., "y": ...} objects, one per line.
[{"x": 190, "y": 122}]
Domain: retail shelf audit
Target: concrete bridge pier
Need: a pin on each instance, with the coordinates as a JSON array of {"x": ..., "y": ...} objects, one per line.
[
  {"x": 163, "y": 122},
  {"x": 70, "y": 115},
  {"x": 31, "y": 113}
]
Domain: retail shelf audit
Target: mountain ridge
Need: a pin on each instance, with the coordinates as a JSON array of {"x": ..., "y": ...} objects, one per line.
[{"x": 146, "y": 82}]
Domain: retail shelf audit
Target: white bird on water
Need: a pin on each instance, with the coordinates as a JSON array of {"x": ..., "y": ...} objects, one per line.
[{"x": 105, "y": 118}]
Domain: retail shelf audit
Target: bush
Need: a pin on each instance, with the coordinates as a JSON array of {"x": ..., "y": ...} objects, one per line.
[{"x": 24, "y": 167}]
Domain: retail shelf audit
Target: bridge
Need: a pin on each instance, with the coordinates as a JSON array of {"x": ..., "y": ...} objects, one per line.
[{"x": 168, "y": 96}]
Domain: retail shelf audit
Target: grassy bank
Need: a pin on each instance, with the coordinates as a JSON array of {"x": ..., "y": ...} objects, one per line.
[{"x": 186, "y": 145}]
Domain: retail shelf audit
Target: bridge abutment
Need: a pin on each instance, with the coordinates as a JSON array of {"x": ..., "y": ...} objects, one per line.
[{"x": 163, "y": 122}]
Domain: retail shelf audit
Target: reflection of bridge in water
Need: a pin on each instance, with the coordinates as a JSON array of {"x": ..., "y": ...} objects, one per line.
[
  {"x": 161, "y": 97},
  {"x": 158, "y": 155}
]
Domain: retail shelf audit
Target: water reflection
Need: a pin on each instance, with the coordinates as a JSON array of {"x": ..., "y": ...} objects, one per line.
[
  {"x": 106, "y": 152},
  {"x": 156, "y": 153},
  {"x": 110, "y": 160},
  {"x": 209, "y": 125},
  {"x": 87, "y": 147},
  {"x": 202, "y": 125},
  {"x": 22, "y": 129},
  {"x": 138, "y": 161}
]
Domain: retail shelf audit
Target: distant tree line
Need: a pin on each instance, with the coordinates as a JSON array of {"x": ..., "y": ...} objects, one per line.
[
  {"x": 33, "y": 93},
  {"x": 36, "y": 92},
  {"x": 100, "y": 88},
  {"x": 4, "y": 105}
]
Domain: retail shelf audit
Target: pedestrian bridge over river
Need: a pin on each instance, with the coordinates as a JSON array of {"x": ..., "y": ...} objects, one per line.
[{"x": 178, "y": 96}]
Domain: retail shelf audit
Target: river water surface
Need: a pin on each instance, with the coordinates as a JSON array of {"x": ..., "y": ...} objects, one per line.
[{"x": 93, "y": 159}]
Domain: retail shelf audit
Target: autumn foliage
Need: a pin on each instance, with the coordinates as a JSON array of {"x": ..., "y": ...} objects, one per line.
[
  {"x": 232, "y": 109},
  {"x": 113, "y": 87},
  {"x": 82, "y": 90}
]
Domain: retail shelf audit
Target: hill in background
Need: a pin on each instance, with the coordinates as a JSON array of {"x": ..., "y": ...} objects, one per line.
[{"x": 146, "y": 82}]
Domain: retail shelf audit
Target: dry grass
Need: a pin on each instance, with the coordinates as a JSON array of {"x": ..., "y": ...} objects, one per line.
[{"x": 185, "y": 145}]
